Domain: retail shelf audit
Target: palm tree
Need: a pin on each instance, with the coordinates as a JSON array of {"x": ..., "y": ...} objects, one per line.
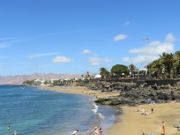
[
  {"x": 177, "y": 64},
  {"x": 155, "y": 68},
  {"x": 168, "y": 65},
  {"x": 132, "y": 69},
  {"x": 104, "y": 73},
  {"x": 167, "y": 61}
]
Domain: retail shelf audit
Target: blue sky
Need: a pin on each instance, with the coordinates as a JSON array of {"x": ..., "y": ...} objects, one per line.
[{"x": 75, "y": 36}]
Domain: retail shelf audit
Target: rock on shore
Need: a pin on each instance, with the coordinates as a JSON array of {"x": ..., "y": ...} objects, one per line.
[{"x": 131, "y": 93}]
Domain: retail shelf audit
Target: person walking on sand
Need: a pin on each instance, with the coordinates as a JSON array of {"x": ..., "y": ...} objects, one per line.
[{"x": 163, "y": 128}]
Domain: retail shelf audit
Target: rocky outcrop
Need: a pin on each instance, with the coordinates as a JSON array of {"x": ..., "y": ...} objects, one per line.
[
  {"x": 110, "y": 86},
  {"x": 132, "y": 94}
]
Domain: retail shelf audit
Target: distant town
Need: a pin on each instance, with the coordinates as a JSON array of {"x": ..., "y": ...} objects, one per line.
[{"x": 166, "y": 67}]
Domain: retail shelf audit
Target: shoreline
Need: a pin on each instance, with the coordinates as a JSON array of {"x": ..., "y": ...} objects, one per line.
[
  {"x": 80, "y": 91},
  {"x": 93, "y": 95},
  {"x": 132, "y": 121}
]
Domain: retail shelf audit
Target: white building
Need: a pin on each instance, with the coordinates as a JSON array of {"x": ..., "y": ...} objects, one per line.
[{"x": 97, "y": 76}]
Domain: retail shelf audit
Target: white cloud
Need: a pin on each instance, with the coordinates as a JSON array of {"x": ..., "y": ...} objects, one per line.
[
  {"x": 139, "y": 59},
  {"x": 120, "y": 37},
  {"x": 87, "y": 51},
  {"x": 32, "y": 56},
  {"x": 96, "y": 61},
  {"x": 61, "y": 59},
  {"x": 154, "y": 48},
  {"x": 151, "y": 51}
]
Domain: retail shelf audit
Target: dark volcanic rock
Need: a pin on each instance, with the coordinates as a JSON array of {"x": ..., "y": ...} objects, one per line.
[
  {"x": 162, "y": 96},
  {"x": 115, "y": 101},
  {"x": 131, "y": 94}
]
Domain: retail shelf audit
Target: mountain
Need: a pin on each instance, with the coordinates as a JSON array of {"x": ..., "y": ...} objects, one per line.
[{"x": 19, "y": 79}]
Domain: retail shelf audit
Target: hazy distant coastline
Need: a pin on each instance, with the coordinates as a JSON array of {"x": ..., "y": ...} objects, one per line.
[{"x": 19, "y": 79}]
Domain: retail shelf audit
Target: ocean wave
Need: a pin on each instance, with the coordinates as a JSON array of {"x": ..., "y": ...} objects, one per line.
[{"x": 95, "y": 108}]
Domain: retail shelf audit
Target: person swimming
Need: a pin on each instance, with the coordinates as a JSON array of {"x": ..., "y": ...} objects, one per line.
[{"x": 9, "y": 129}]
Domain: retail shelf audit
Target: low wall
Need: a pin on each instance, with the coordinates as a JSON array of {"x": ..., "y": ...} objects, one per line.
[{"x": 159, "y": 82}]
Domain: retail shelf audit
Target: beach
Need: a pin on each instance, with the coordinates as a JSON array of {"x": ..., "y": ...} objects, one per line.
[
  {"x": 132, "y": 121},
  {"x": 81, "y": 91}
]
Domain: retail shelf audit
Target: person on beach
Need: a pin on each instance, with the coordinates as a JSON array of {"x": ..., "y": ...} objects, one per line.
[
  {"x": 152, "y": 110},
  {"x": 163, "y": 128},
  {"x": 150, "y": 133},
  {"x": 75, "y": 132},
  {"x": 15, "y": 133},
  {"x": 96, "y": 132},
  {"x": 100, "y": 131}
]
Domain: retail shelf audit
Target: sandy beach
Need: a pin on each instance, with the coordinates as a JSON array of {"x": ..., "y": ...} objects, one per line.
[
  {"x": 81, "y": 91},
  {"x": 132, "y": 121}
]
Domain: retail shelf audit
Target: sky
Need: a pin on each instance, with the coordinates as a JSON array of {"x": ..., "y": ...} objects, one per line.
[{"x": 75, "y": 36}]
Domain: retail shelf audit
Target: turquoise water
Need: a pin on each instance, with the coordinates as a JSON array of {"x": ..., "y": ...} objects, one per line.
[{"x": 31, "y": 111}]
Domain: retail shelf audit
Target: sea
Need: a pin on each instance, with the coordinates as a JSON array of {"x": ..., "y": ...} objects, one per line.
[{"x": 32, "y": 111}]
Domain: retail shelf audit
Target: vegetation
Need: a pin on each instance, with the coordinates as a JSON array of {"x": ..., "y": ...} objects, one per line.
[
  {"x": 132, "y": 69},
  {"x": 28, "y": 82},
  {"x": 119, "y": 70},
  {"x": 105, "y": 74},
  {"x": 177, "y": 63},
  {"x": 167, "y": 66}
]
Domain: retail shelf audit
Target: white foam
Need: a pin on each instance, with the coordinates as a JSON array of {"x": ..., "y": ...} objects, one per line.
[
  {"x": 95, "y": 108},
  {"x": 101, "y": 116}
]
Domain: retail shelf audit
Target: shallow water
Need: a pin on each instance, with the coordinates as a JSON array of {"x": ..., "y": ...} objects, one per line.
[{"x": 32, "y": 111}]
